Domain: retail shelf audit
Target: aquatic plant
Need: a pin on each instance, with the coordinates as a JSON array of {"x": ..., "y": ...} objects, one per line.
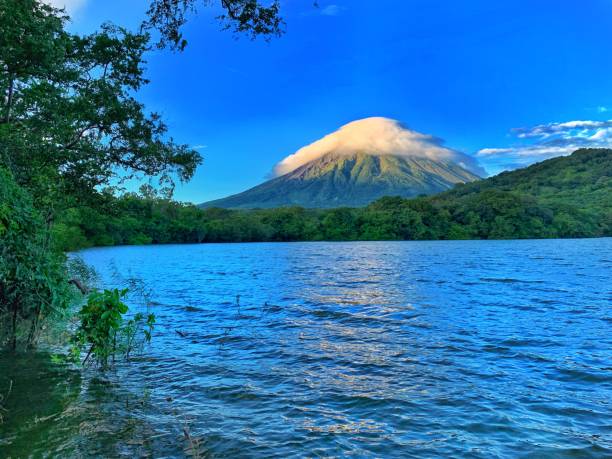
[
  {"x": 194, "y": 443},
  {"x": 104, "y": 332}
]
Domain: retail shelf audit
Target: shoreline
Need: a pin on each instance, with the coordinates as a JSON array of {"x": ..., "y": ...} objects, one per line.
[{"x": 343, "y": 241}]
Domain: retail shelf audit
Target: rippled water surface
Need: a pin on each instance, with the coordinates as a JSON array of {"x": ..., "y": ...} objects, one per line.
[{"x": 382, "y": 349}]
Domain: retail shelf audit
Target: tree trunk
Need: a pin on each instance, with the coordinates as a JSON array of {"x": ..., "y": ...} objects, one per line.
[
  {"x": 9, "y": 100},
  {"x": 14, "y": 343},
  {"x": 33, "y": 329},
  {"x": 78, "y": 284}
]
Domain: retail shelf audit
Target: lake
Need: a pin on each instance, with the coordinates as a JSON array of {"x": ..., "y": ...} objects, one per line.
[{"x": 362, "y": 349}]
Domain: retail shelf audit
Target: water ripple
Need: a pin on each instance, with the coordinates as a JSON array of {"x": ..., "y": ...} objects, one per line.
[{"x": 416, "y": 349}]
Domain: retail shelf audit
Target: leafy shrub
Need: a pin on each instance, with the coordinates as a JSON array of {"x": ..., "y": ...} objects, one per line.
[
  {"x": 105, "y": 333},
  {"x": 33, "y": 279}
]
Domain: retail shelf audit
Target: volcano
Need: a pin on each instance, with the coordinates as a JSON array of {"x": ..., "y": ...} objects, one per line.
[{"x": 361, "y": 162}]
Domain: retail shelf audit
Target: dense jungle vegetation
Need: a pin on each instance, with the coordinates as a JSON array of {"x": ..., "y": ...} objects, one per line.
[{"x": 561, "y": 197}]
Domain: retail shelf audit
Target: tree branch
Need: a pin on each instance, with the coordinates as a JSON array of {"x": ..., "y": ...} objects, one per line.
[{"x": 78, "y": 284}]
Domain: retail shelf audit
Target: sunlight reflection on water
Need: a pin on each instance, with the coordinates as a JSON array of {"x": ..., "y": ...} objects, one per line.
[{"x": 425, "y": 349}]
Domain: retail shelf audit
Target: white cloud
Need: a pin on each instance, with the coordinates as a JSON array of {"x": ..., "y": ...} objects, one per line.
[
  {"x": 71, "y": 6},
  {"x": 331, "y": 10},
  {"x": 550, "y": 140},
  {"x": 530, "y": 151},
  {"x": 601, "y": 135},
  {"x": 494, "y": 151},
  {"x": 568, "y": 128},
  {"x": 377, "y": 135}
]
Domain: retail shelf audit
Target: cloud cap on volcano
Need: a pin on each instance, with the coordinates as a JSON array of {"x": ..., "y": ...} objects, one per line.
[{"x": 377, "y": 136}]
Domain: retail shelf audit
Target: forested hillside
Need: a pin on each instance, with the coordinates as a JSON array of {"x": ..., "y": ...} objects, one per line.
[
  {"x": 583, "y": 179},
  {"x": 561, "y": 197}
]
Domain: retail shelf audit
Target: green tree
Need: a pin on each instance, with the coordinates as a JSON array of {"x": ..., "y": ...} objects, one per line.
[
  {"x": 339, "y": 224},
  {"x": 71, "y": 123},
  {"x": 33, "y": 280}
]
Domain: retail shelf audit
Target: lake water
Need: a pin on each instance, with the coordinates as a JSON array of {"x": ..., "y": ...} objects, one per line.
[{"x": 365, "y": 349}]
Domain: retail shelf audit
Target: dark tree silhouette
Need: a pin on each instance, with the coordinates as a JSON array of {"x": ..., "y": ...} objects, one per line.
[{"x": 250, "y": 17}]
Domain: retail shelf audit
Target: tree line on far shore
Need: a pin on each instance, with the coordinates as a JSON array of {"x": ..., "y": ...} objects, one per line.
[{"x": 567, "y": 197}]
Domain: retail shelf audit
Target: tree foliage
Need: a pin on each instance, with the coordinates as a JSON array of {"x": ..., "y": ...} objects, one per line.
[
  {"x": 71, "y": 123},
  {"x": 70, "y": 127},
  {"x": 32, "y": 275},
  {"x": 250, "y": 17},
  {"x": 562, "y": 197}
]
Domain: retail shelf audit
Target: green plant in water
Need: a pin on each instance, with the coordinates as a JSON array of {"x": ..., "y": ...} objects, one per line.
[{"x": 104, "y": 332}]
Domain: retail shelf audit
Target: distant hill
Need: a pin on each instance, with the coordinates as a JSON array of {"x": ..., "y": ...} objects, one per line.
[
  {"x": 582, "y": 179},
  {"x": 341, "y": 180},
  {"x": 568, "y": 196}
]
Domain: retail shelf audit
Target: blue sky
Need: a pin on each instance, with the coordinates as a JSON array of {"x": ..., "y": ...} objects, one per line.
[{"x": 510, "y": 82}]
